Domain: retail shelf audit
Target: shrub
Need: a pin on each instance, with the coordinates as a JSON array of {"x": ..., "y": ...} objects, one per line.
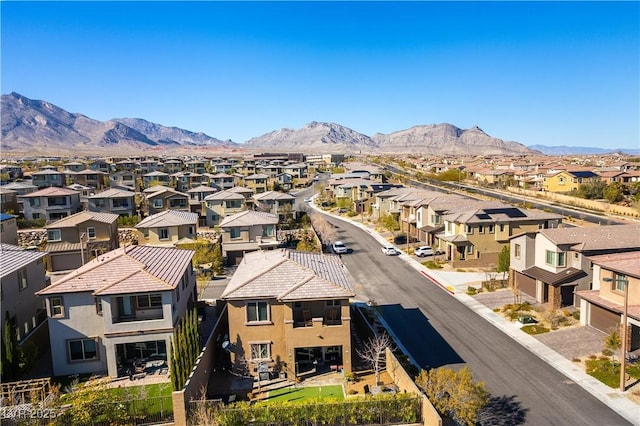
[
  {"x": 471, "y": 290},
  {"x": 576, "y": 315},
  {"x": 535, "y": 329},
  {"x": 351, "y": 377},
  {"x": 607, "y": 352},
  {"x": 352, "y": 392},
  {"x": 576, "y": 360},
  {"x": 432, "y": 265}
]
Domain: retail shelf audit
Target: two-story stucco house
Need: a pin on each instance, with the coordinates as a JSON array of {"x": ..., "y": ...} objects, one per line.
[
  {"x": 288, "y": 311},
  {"x": 22, "y": 274},
  {"x": 120, "y": 307},
  {"x": 167, "y": 228},
  {"x": 8, "y": 229},
  {"x": 247, "y": 231},
  {"x": 222, "y": 204},
  {"x": 568, "y": 180},
  {"x": 603, "y": 306},
  {"x": 276, "y": 202},
  {"x": 75, "y": 239},
  {"x": 257, "y": 182},
  {"x": 165, "y": 199},
  {"x": 51, "y": 203},
  {"x": 117, "y": 201},
  {"x": 553, "y": 263},
  {"x": 476, "y": 236}
]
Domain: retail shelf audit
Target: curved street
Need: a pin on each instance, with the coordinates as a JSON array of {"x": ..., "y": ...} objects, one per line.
[{"x": 438, "y": 330}]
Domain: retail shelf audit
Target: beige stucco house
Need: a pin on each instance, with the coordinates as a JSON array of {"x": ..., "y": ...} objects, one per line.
[{"x": 288, "y": 312}]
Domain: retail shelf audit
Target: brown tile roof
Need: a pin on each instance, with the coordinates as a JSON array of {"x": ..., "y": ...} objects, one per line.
[
  {"x": 625, "y": 263},
  {"x": 127, "y": 270},
  {"x": 248, "y": 218},
  {"x": 169, "y": 218},
  {"x": 596, "y": 237},
  {"x": 288, "y": 276},
  {"x": 51, "y": 191},
  {"x": 593, "y": 296},
  {"x": 82, "y": 217},
  {"x": 552, "y": 278}
]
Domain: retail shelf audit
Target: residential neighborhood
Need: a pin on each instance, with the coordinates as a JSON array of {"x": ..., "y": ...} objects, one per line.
[{"x": 107, "y": 268}]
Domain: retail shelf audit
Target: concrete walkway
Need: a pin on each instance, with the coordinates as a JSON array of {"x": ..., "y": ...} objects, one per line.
[{"x": 456, "y": 283}]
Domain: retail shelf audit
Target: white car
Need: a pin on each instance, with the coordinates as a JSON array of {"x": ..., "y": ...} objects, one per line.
[
  {"x": 390, "y": 251},
  {"x": 423, "y": 251},
  {"x": 339, "y": 247}
]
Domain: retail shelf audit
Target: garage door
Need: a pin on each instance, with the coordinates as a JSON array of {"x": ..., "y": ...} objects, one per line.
[
  {"x": 526, "y": 284},
  {"x": 603, "y": 319}
]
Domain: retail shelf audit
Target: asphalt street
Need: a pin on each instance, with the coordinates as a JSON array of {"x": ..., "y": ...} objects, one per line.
[{"x": 438, "y": 330}]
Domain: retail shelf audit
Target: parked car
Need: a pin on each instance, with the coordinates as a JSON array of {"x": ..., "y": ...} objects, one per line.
[
  {"x": 339, "y": 247},
  {"x": 390, "y": 250},
  {"x": 402, "y": 239},
  {"x": 423, "y": 251}
]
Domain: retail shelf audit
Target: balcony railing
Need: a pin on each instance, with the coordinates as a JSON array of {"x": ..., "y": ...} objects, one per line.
[{"x": 139, "y": 315}]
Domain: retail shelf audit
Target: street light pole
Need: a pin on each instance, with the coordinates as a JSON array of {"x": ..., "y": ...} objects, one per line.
[{"x": 623, "y": 355}]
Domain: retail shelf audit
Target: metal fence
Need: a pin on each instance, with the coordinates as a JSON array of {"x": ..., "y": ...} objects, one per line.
[
  {"x": 135, "y": 412},
  {"x": 375, "y": 411}
]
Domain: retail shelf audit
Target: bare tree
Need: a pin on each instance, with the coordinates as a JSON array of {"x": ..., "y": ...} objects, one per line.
[
  {"x": 374, "y": 353},
  {"x": 324, "y": 229}
]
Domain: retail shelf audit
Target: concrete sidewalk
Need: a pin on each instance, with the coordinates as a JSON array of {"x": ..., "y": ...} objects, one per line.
[{"x": 456, "y": 283}]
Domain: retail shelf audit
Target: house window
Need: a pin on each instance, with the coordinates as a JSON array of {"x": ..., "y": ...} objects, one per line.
[
  {"x": 469, "y": 229},
  {"x": 501, "y": 227},
  {"x": 260, "y": 351},
  {"x": 83, "y": 349},
  {"x": 34, "y": 202},
  {"x": 257, "y": 311},
  {"x": 480, "y": 229},
  {"x": 490, "y": 229},
  {"x": 550, "y": 258},
  {"x": 163, "y": 233},
  {"x": 267, "y": 231},
  {"x": 22, "y": 279},
  {"x": 35, "y": 216},
  {"x": 98, "y": 303},
  {"x": 619, "y": 281},
  {"x": 91, "y": 232},
  {"x": 191, "y": 232},
  {"x": 145, "y": 233},
  {"x": 157, "y": 204},
  {"x": 555, "y": 259},
  {"x": 332, "y": 302},
  {"x": 57, "y": 307},
  {"x": 149, "y": 300},
  {"x": 235, "y": 232},
  {"x": 54, "y": 235},
  {"x": 516, "y": 251},
  {"x": 99, "y": 202},
  {"x": 469, "y": 249},
  {"x": 435, "y": 218}
]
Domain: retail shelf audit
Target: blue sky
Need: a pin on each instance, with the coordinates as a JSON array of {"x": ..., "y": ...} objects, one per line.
[{"x": 550, "y": 73}]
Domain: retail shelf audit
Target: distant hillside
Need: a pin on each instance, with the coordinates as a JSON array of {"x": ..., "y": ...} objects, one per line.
[
  {"x": 328, "y": 137},
  {"x": 443, "y": 139},
  {"x": 580, "y": 150},
  {"x": 36, "y": 126},
  {"x": 447, "y": 139},
  {"x": 39, "y": 127}
]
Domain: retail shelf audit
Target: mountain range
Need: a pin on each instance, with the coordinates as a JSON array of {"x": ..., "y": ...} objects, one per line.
[{"x": 39, "y": 127}]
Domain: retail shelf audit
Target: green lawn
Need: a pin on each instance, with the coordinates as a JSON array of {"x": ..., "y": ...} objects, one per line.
[
  {"x": 148, "y": 391},
  {"x": 301, "y": 394}
]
